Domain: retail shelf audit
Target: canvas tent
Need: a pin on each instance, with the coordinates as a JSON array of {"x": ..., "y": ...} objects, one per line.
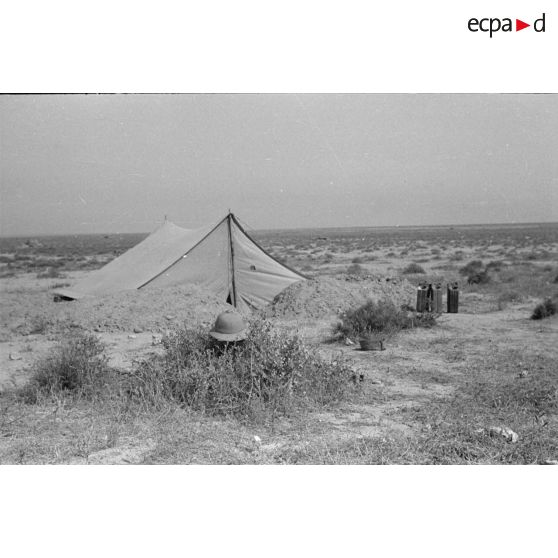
[{"x": 220, "y": 258}]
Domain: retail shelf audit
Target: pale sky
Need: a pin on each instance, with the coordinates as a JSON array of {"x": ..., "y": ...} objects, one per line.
[{"x": 120, "y": 163}]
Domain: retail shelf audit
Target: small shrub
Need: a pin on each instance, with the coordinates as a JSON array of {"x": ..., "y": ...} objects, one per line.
[
  {"x": 357, "y": 260},
  {"x": 425, "y": 319},
  {"x": 544, "y": 309},
  {"x": 471, "y": 268},
  {"x": 76, "y": 367},
  {"x": 413, "y": 268},
  {"x": 479, "y": 278},
  {"x": 555, "y": 279},
  {"x": 372, "y": 317},
  {"x": 379, "y": 317}
]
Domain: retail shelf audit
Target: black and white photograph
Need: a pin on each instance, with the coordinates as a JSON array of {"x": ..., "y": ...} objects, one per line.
[{"x": 279, "y": 279}]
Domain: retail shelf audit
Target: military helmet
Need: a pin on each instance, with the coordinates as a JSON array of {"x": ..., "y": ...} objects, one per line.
[{"x": 229, "y": 326}]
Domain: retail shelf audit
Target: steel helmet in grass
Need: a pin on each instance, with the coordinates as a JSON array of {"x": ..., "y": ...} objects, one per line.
[{"x": 229, "y": 326}]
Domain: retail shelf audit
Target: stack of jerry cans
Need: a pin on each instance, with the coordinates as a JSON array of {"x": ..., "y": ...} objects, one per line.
[{"x": 430, "y": 298}]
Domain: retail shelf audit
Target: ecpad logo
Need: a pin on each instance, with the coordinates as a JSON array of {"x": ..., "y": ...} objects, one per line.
[{"x": 492, "y": 25}]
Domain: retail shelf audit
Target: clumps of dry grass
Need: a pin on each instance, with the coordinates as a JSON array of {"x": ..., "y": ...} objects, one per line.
[
  {"x": 37, "y": 325},
  {"x": 270, "y": 374},
  {"x": 478, "y": 278},
  {"x": 475, "y": 273},
  {"x": 456, "y": 428},
  {"x": 413, "y": 268},
  {"x": 543, "y": 310},
  {"x": 379, "y": 317},
  {"x": 474, "y": 266},
  {"x": 77, "y": 367},
  {"x": 267, "y": 375}
]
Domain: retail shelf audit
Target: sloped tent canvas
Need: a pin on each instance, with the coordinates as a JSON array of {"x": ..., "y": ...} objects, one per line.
[{"x": 222, "y": 259}]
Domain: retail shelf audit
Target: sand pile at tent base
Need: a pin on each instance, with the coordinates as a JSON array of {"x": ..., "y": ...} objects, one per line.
[
  {"x": 318, "y": 298},
  {"x": 147, "y": 309}
]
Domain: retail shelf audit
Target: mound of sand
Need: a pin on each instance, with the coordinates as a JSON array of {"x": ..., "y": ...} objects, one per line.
[
  {"x": 318, "y": 298},
  {"x": 33, "y": 310}
]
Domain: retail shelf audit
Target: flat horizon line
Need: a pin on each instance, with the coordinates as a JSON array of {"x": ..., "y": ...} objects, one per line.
[{"x": 320, "y": 228}]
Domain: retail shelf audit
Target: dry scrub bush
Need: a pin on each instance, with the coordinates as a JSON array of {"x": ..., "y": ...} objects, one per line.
[
  {"x": 479, "y": 278},
  {"x": 77, "y": 367},
  {"x": 379, "y": 317},
  {"x": 544, "y": 309},
  {"x": 474, "y": 266},
  {"x": 268, "y": 374},
  {"x": 413, "y": 268}
]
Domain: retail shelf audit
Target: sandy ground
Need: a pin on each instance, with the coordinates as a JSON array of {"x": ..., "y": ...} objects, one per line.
[
  {"x": 127, "y": 343},
  {"x": 413, "y": 369},
  {"x": 415, "y": 365},
  {"x": 130, "y": 324}
]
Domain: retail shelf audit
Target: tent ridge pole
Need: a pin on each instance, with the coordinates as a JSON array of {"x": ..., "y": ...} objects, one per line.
[{"x": 232, "y": 261}]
